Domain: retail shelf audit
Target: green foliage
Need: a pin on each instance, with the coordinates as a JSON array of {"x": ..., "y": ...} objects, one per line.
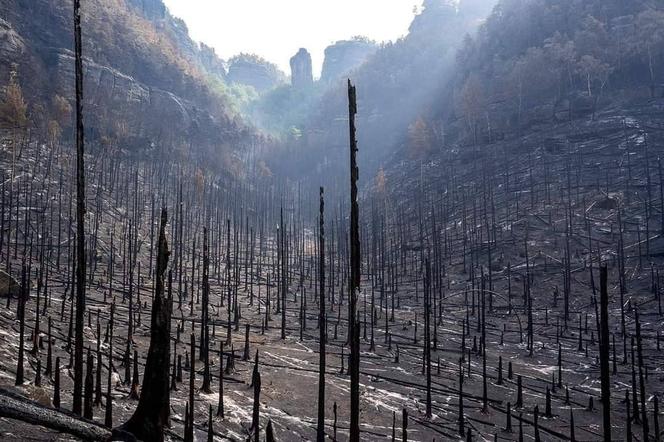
[
  {"x": 253, "y": 59},
  {"x": 270, "y": 69},
  {"x": 13, "y": 108},
  {"x": 284, "y": 108},
  {"x": 539, "y": 52},
  {"x": 238, "y": 97}
]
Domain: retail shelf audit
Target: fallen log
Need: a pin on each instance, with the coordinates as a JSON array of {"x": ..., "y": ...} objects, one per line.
[{"x": 15, "y": 407}]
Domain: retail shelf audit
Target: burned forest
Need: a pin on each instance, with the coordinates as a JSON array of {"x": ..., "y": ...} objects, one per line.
[{"x": 450, "y": 236}]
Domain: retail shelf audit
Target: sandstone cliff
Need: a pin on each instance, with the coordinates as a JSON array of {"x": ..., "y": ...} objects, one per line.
[
  {"x": 344, "y": 56},
  {"x": 146, "y": 81},
  {"x": 252, "y": 70}
]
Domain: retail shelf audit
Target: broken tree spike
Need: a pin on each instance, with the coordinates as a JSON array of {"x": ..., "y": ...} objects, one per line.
[
  {"x": 151, "y": 415},
  {"x": 256, "y": 382}
]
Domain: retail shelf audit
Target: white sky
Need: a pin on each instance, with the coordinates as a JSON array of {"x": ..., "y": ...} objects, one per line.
[{"x": 276, "y": 29}]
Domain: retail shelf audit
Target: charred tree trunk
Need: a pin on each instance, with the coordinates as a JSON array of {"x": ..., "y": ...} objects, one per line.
[
  {"x": 151, "y": 415},
  {"x": 322, "y": 327},
  {"x": 23, "y": 295},
  {"x": 80, "y": 215},
  {"x": 427, "y": 338},
  {"x": 269, "y": 432},
  {"x": 220, "y": 404},
  {"x": 642, "y": 389},
  {"x": 87, "y": 394},
  {"x": 189, "y": 425},
  {"x": 283, "y": 280},
  {"x": 604, "y": 354},
  {"x": 229, "y": 338},
  {"x": 18, "y": 408},
  {"x": 205, "y": 331},
  {"x": 255, "y": 419},
  {"x": 354, "y": 285},
  {"x": 460, "y": 421}
]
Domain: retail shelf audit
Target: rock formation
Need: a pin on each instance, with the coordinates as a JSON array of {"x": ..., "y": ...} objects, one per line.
[
  {"x": 156, "y": 95},
  {"x": 344, "y": 56},
  {"x": 301, "y": 71},
  {"x": 12, "y": 48},
  {"x": 151, "y": 9},
  {"x": 252, "y": 70},
  {"x": 211, "y": 61}
]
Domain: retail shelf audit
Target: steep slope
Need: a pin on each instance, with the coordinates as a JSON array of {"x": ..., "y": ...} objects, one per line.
[
  {"x": 536, "y": 74},
  {"x": 537, "y": 62},
  {"x": 147, "y": 83}
]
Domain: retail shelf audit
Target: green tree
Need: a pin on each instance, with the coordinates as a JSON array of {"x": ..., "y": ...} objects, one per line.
[
  {"x": 53, "y": 133},
  {"x": 594, "y": 72},
  {"x": 648, "y": 41},
  {"x": 420, "y": 138},
  {"x": 472, "y": 102},
  {"x": 61, "y": 111},
  {"x": 562, "y": 56},
  {"x": 14, "y": 111}
]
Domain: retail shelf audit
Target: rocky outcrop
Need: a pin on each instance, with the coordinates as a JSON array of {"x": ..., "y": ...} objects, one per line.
[
  {"x": 146, "y": 82},
  {"x": 8, "y": 285},
  {"x": 151, "y": 9},
  {"x": 251, "y": 70},
  {"x": 144, "y": 116},
  {"x": 344, "y": 56},
  {"x": 12, "y": 47},
  {"x": 211, "y": 62},
  {"x": 11, "y": 44},
  {"x": 301, "y": 69}
]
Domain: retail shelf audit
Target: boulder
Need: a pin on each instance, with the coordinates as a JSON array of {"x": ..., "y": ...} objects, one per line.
[{"x": 8, "y": 285}]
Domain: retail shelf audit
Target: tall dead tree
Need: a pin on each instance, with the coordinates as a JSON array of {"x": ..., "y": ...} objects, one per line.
[
  {"x": 485, "y": 404},
  {"x": 151, "y": 415},
  {"x": 220, "y": 404},
  {"x": 642, "y": 387},
  {"x": 354, "y": 283},
  {"x": 189, "y": 413},
  {"x": 322, "y": 327},
  {"x": 80, "y": 215},
  {"x": 427, "y": 337},
  {"x": 283, "y": 280},
  {"x": 460, "y": 420},
  {"x": 604, "y": 354},
  {"x": 229, "y": 338},
  {"x": 23, "y": 295},
  {"x": 205, "y": 331}
]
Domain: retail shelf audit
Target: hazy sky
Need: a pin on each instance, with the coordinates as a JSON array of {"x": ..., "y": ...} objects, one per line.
[{"x": 276, "y": 29}]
